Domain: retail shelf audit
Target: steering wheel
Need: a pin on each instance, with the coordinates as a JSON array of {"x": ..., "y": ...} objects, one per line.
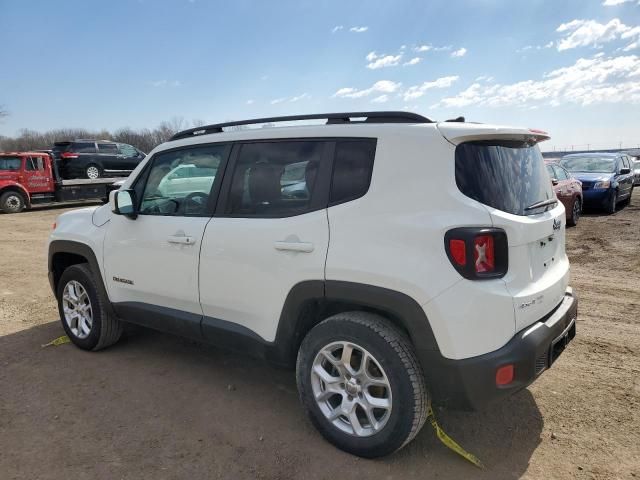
[{"x": 195, "y": 199}]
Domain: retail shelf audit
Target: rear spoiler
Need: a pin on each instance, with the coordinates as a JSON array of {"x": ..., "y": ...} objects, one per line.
[{"x": 458, "y": 133}]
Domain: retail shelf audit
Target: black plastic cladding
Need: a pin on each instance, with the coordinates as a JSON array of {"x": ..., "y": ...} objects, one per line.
[{"x": 332, "y": 118}]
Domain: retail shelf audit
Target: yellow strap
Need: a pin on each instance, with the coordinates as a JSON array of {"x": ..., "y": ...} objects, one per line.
[
  {"x": 58, "y": 341},
  {"x": 450, "y": 443}
]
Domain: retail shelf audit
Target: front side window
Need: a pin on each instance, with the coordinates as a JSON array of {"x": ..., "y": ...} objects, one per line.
[
  {"x": 274, "y": 179},
  {"x": 179, "y": 182},
  {"x": 10, "y": 163},
  {"x": 589, "y": 164},
  {"x": 507, "y": 175},
  {"x": 561, "y": 172},
  {"x": 107, "y": 148},
  {"x": 128, "y": 151}
]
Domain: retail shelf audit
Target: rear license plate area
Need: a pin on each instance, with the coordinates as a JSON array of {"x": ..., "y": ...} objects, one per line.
[{"x": 560, "y": 343}]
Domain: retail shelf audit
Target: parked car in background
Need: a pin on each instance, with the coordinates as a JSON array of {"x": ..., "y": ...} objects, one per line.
[
  {"x": 568, "y": 190},
  {"x": 95, "y": 158},
  {"x": 606, "y": 178},
  {"x": 636, "y": 172}
]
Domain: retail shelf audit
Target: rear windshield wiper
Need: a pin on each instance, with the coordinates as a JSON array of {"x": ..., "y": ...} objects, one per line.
[{"x": 542, "y": 203}]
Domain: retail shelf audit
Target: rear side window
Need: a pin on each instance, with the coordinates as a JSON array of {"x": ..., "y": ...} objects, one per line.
[
  {"x": 83, "y": 147},
  {"x": 509, "y": 176},
  {"x": 275, "y": 179},
  {"x": 128, "y": 151},
  {"x": 107, "y": 148},
  {"x": 352, "y": 169}
]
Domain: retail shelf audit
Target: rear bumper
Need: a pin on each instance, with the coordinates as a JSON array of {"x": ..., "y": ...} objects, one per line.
[{"x": 470, "y": 384}]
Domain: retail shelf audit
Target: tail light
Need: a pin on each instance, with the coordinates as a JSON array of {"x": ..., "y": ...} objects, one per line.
[
  {"x": 478, "y": 253},
  {"x": 67, "y": 155}
]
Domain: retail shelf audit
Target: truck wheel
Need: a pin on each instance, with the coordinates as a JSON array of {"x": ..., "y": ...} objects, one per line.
[
  {"x": 12, "y": 202},
  {"x": 361, "y": 384},
  {"x": 92, "y": 171},
  {"x": 575, "y": 213},
  {"x": 83, "y": 311}
]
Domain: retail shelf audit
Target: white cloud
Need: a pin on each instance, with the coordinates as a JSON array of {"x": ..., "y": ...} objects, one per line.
[
  {"x": 429, "y": 47},
  {"x": 380, "y": 61},
  {"x": 278, "y": 100},
  {"x": 413, "y": 61},
  {"x": 358, "y": 29},
  {"x": 584, "y": 33},
  {"x": 250, "y": 102},
  {"x": 337, "y": 28},
  {"x": 423, "y": 48},
  {"x": 613, "y": 3},
  {"x": 381, "y": 99},
  {"x": 381, "y": 86},
  {"x": 461, "y": 52},
  {"x": 484, "y": 78},
  {"x": 418, "y": 91},
  {"x": 588, "y": 81},
  {"x": 299, "y": 97}
]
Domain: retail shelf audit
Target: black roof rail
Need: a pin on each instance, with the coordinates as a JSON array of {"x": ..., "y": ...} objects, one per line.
[{"x": 332, "y": 118}]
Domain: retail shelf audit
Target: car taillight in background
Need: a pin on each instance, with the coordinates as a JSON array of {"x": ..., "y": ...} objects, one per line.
[
  {"x": 478, "y": 253},
  {"x": 66, "y": 155}
]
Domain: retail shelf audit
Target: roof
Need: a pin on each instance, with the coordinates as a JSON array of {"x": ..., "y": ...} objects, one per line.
[
  {"x": 595, "y": 155},
  {"x": 23, "y": 154}
]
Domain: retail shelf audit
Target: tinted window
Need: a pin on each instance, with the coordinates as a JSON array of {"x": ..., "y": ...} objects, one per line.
[
  {"x": 561, "y": 173},
  {"x": 128, "y": 150},
  {"x": 83, "y": 147},
  {"x": 10, "y": 163},
  {"x": 180, "y": 181},
  {"x": 589, "y": 164},
  {"x": 352, "y": 169},
  {"x": 625, "y": 162},
  {"x": 509, "y": 176},
  {"x": 34, "y": 163},
  {"x": 274, "y": 179},
  {"x": 107, "y": 148}
]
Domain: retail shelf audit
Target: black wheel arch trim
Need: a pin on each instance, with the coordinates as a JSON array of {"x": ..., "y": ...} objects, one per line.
[{"x": 81, "y": 250}]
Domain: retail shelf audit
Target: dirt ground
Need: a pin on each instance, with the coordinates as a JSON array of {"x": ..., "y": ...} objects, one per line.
[{"x": 159, "y": 407}]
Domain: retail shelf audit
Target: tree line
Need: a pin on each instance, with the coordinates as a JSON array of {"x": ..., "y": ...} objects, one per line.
[{"x": 144, "y": 139}]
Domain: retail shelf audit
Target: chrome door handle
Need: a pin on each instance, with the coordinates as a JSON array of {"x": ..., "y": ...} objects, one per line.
[
  {"x": 181, "y": 239},
  {"x": 305, "y": 247}
]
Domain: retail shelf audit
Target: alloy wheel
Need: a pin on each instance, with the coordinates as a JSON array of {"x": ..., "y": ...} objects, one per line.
[
  {"x": 93, "y": 172},
  {"x": 76, "y": 305},
  {"x": 351, "y": 389}
]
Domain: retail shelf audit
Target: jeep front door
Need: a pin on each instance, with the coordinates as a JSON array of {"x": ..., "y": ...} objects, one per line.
[{"x": 151, "y": 262}]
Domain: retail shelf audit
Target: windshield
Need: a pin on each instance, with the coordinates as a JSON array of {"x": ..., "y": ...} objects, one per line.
[
  {"x": 509, "y": 176},
  {"x": 589, "y": 164},
  {"x": 10, "y": 163}
]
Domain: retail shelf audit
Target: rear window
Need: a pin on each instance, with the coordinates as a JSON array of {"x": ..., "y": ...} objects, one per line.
[
  {"x": 509, "y": 176},
  {"x": 10, "y": 163},
  {"x": 589, "y": 164},
  {"x": 352, "y": 169}
]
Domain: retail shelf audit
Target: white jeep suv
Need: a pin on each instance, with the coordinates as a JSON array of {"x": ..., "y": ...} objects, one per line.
[{"x": 392, "y": 260}]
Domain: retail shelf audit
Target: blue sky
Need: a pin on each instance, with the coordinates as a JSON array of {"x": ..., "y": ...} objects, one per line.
[{"x": 571, "y": 67}]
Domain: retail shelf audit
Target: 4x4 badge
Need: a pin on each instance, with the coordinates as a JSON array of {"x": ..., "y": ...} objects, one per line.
[{"x": 557, "y": 224}]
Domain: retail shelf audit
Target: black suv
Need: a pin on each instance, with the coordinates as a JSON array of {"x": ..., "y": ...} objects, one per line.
[{"x": 95, "y": 158}]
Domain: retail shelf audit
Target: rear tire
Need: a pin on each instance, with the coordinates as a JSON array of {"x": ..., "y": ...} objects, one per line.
[
  {"x": 386, "y": 374},
  {"x": 576, "y": 210},
  {"x": 83, "y": 310},
  {"x": 92, "y": 171},
  {"x": 12, "y": 202}
]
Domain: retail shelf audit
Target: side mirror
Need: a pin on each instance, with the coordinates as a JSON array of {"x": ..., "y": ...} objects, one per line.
[
  {"x": 554, "y": 181},
  {"x": 122, "y": 202},
  {"x": 625, "y": 171}
]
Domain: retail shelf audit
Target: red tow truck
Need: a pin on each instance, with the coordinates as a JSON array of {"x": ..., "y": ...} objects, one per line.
[{"x": 32, "y": 178}]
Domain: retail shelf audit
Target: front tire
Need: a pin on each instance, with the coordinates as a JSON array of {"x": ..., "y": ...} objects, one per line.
[
  {"x": 12, "y": 202},
  {"x": 361, "y": 384},
  {"x": 83, "y": 310},
  {"x": 576, "y": 210},
  {"x": 613, "y": 202}
]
